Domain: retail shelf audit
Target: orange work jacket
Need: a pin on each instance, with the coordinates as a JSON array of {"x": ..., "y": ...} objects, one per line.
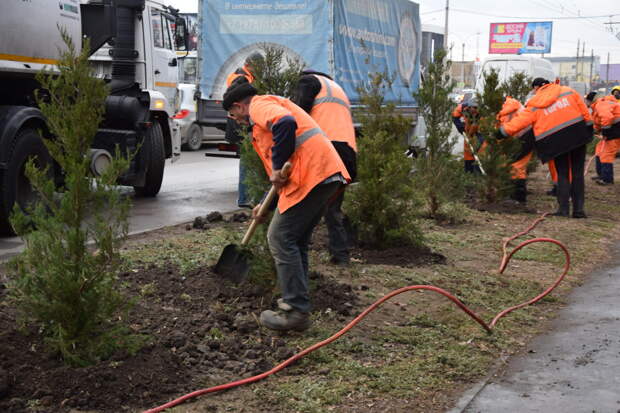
[
  {"x": 509, "y": 110},
  {"x": 332, "y": 111},
  {"x": 559, "y": 118},
  {"x": 606, "y": 116},
  {"x": 315, "y": 158}
]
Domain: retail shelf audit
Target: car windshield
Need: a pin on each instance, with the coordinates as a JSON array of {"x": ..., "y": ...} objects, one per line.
[{"x": 187, "y": 70}]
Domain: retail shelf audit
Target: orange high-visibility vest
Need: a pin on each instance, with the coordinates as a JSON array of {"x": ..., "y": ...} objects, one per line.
[
  {"x": 332, "y": 111},
  {"x": 510, "y": 109},
  {"x": 315, "y": 158},
  {"x": 242, "y": 71}
]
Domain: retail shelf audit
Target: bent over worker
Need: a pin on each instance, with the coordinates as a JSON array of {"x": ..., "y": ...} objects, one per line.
[
  {"x": 562, "y": 128},
  {"x": 281, "y": 132},
  {"x": 329, "y": 106},
  {"x": 606, "y": 117},
  {"x": 510, "y": 109}
]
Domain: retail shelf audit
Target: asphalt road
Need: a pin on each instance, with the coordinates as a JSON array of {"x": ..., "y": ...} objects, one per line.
[
  {"x": 574, "y": 367},
  {"x": 194, "y": 185}
]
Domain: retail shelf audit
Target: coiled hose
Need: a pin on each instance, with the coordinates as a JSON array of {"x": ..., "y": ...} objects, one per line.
[{"x": 488, "y": 327}]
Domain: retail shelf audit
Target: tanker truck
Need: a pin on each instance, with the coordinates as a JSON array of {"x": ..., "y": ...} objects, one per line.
[{"x": 132, "y": 47}]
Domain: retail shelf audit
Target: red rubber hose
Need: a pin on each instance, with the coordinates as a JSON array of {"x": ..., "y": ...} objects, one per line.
[{"x": 488, "y": 327}]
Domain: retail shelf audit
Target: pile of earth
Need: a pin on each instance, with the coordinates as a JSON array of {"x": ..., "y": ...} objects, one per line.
[{"x": 200, "y": 330}]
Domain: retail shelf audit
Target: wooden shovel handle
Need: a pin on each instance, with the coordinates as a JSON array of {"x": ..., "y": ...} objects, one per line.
[{"x": 264, "y": 206}]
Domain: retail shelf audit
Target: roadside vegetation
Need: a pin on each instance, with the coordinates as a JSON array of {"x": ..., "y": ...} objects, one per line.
[
  {"x": 416, "y": 353},
  {"x": 69, "y": 290}
]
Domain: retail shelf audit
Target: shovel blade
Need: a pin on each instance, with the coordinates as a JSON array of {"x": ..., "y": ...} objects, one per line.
[{"x": 233, "y": 264}]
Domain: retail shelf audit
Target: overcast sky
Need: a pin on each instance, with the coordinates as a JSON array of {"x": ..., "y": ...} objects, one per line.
[{"x": 468, "y": 17}]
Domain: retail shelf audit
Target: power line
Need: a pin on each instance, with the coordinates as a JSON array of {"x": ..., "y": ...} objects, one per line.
[{"x": 533, "y": 18}]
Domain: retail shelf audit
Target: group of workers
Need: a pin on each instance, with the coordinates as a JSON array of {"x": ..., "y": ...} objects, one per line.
[
  {"x": 314, "y": 132},
  {"x": 557, "y": 123}
]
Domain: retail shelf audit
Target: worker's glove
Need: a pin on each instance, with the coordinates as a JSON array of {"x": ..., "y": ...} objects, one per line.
[
  {"x": 499, "y": 135},
  {"x": 607, "y": 133}
]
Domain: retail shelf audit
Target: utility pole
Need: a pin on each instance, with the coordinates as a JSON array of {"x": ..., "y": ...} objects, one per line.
[
  {"x": 591, "y": 67},
  {"x": 607, "y": 81},
  {"x": 583, "y": 59},
  {"x": 577, "y": 62},
  {"x": 463, "y": 65}
]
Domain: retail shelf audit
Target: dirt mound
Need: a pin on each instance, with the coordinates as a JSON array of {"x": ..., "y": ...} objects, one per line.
[
  {"x": 200, "y": 330},
  {"x": 401, "y": 256}
]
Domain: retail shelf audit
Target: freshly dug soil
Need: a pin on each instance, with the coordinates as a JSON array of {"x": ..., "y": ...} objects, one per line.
[
  {"x": 201, "y": 330},
  {"x": 401, "y": 256}
]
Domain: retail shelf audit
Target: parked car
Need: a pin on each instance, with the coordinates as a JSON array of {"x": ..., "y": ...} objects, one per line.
[{"x": 193, "y": 135}]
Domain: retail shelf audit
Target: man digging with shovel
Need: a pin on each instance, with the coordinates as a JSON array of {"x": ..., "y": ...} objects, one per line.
[{"x": 281, "y": 132}]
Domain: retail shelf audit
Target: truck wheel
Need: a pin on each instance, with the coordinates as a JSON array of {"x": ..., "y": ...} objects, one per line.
[
  {"x": 194, "y": 138},
  {"x": 156, "y": 155},
  {"x": 15, "y": 186}
]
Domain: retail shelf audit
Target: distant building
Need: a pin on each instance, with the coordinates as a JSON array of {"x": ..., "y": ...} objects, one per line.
[
  {"x": 569, "y": 69},
  {"x": 464, "y": 73},
  {"x": 610, "y": 73}
]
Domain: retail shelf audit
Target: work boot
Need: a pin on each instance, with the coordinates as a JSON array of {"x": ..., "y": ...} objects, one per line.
[
  {"x": 579, "y": 214},
  {"x": 560, "y": 213},
  {"x": 285, "y": 320},
  {"x": 607, "y": 174},
  {"x": 519, "y": 192},
  {"x": 340, "y": 261}
]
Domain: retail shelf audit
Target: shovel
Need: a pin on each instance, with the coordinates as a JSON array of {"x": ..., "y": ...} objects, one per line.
[{"x": 233, "y": 264}]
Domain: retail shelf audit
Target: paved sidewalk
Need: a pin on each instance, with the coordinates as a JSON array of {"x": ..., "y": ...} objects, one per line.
[{"x": 574, "y": 367}]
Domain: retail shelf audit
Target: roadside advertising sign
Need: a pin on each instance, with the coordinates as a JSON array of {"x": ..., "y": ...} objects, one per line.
[{"x": 519, "y": 38}]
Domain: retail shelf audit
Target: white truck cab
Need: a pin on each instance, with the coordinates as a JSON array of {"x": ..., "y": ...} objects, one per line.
[
  {"x": 132, "y": 47},
  {"x": 508, "y": 65}
]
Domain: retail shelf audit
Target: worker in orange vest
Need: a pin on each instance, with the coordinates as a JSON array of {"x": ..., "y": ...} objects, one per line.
[
  {"x": 233, "y": 129},
  {"x": 329, "y": 106},
  {"x": 562, "y": 127},
  {"x": 606, "y": 116},
  {"x": 465, "y": 117},
  {"x": 510, "y": 109},
  {"x": 281, "y": 132}
]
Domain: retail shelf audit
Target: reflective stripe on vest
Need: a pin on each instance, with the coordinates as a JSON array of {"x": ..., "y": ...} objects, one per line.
[
  {"x": 559, "y": 127},
  {"x": 299, "y": 140},
  {"x": 329, "y": 98}
]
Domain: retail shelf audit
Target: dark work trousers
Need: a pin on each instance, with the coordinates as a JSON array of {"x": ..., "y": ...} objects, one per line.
[
  {"x": 334, "y": 217},
  {"x": 336, "y": 231},
  {"x": 570, "y": 167},
  {"x": 289, "y": 236}
]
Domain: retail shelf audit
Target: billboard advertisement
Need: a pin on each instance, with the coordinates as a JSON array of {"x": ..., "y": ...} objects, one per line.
[{"x": 520, "y": 38}]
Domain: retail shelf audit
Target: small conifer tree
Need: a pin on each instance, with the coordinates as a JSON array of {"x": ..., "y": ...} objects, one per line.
[
  {"x": 517, "y": 86},
  {"x": 69, "y": 290},
  {"x": 382, "y": 207},
  {"x": 496, "y": 155},
  {"x": 438, "y": 176}
]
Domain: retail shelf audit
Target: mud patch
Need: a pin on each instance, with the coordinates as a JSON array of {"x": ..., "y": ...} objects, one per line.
[
  {"x": 201, "y": 330},
  {"x": 401, "y": 256}
]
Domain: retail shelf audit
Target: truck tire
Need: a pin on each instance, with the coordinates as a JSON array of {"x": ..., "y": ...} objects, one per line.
[
  {"x": 156, "y": 154},
  {"x": 14, "y": 185},
  {"x": 194, "y": 138}
]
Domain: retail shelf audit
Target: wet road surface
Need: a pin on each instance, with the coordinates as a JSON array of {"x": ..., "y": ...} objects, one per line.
[
  {"x": 194, "y": 185},
  {"x": 574, "y": 367}
]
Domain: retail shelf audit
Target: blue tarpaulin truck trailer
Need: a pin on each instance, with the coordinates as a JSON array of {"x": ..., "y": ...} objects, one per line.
[{"x": 347, "y": 39}]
